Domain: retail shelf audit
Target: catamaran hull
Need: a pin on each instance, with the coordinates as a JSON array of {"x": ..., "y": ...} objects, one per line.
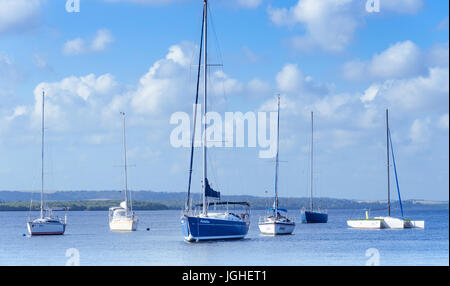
[
  {"x": 385, "y": 223},
  {"x": 123, "y": 225},
  {"x": 198, "y": 229},
  {"x": 276, "y": 228},
  {"x": 314, "y": 217},
  {"x": 399, "y": 223},
  {"x": 414, "y": 224},
  {"x": 365, "y": 224},
  {"x": 392, "y": 222},
  {"x": 36, "y": 228}
]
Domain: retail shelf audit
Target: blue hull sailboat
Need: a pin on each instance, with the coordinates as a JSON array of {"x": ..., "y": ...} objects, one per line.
[
  {"x": 311, "y": 215},
  {"x": 314, "y": 217},
  {"x": 217, "y": 225},
  {"x": 204, "y": 221}
]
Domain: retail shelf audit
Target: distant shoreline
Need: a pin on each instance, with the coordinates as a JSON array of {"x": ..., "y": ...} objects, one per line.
[{"x": 255, "y": 203}]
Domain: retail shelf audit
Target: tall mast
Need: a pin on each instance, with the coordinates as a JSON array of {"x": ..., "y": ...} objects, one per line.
[
  {"x": 42, "y": 158},
  {"x": 312, "y": 155},
  {"x": 188, "y": 200},
  {"x": 388, "y": 173},
  {"x": 205, "y": 69},
  {"x": 276, "y": 166},
  {"x": 125, "y": 162}
]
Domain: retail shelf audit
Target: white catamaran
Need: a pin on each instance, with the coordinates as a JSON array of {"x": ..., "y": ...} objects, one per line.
[
  {"x": 123, "y": 218},
  {"x": 387, "y": 221},
  {"x": 47, "y": 223},
  {"x": 276, "y": 221}
]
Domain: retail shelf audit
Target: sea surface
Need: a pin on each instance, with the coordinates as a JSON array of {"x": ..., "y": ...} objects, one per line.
[{"x": 88, "y": 241}]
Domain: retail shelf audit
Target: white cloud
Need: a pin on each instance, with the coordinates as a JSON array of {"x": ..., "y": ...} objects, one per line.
[
  {"x": 18, "y": 15},
  {"x": 330, "y": 24},
  {"x": 258, "y": 87},
  {"x": 166, "y": 82},
  {"x": 222, "y": 84},
  {"x": 349, "y": 119},
  {"x": 73, "y": 99},
  {"x": 287, "y": 105},
  {"x": 80, "y": 46},
  {"x": 18, "y": 111},
  {"x": 370, "y": 93},
  {"x": 300, "y": 94},
  {"x": 290, "y": 79},
  {"x": 74, "y": 47},
  {"x": 332, "y": 105},
  {"x": 401, "y": 6},
  {"x": 420, "y": 130},
  {"x": 166, "y": 86},
  {"x": 369, "y": 117},
  {"x": 438, "y": 55},
  {"x": 400, "y": 60},
  {"x": 97, "y": 139},
  {"x": 422, "y": 92},
  {"x": 101, "y": 40},
  {"x": 250, "y": 4}
]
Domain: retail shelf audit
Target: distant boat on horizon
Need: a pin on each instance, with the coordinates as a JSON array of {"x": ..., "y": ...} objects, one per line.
[
  {"x": 276, "y": 221},
  {"x": 199, "y": 224},
  {"x": 47, "y": 223},
  {"x": 123, "y": 218},
  {"x": 382, "y": 222},
  {"x": 311, "y": 215}
]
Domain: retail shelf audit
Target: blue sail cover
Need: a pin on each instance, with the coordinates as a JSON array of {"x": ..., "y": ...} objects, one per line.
[
  {"x": 209, "y": 192},
  {"x": 280, "y": 209}
]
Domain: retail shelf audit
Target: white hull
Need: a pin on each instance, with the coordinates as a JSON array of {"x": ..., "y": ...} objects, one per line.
[
  {"x": 365, "y": 223},
  {"x": 275, "y": 228},
  {"x": 391, "y": 222},
  {"x": 414, "y": 224},
  {"x": 385, "y": 222},
  {"x": 43, "y": 228},
  {"x": 123, "y": 225}
]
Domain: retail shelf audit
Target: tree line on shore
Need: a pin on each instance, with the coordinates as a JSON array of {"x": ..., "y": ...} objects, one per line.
[{"x": 256, "y": 203}]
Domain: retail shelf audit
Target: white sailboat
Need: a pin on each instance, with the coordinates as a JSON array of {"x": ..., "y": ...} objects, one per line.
[
  {"x": 276, "y": 221},
  {"x": 123, "y": 218},
  {"x": 47, "y": 223},
  {"x": 381, "y": 222}
]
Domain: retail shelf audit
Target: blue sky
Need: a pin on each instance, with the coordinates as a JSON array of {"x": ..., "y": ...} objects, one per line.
[{"x": 331, "y": 57}]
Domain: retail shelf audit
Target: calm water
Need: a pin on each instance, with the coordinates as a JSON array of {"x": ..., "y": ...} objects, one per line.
[{"x": 321, "y": 244}]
